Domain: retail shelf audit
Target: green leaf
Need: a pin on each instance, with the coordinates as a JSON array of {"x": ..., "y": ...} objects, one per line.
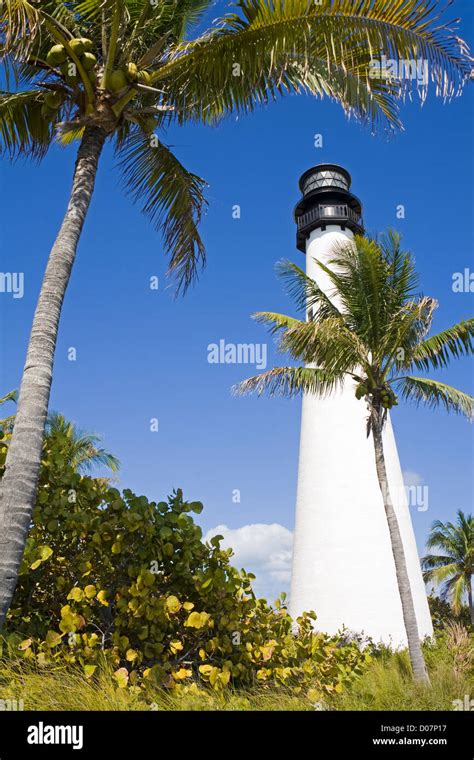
[{"x": 53, "y": 639}]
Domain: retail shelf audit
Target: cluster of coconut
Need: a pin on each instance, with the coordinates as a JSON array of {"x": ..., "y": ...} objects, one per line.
[
  {"x": 120, "y": 78},
  {"x": 387, "y": 396},
  {"x": 58, "y": 57}
]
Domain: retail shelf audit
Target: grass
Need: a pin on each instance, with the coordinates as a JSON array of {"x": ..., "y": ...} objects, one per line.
[{"x": 387, "y": 685}]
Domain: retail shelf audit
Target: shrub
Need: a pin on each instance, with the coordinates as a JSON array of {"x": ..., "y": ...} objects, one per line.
[
  {"x": 442, "y": 613},
  {"x": 114, "y": 577}
]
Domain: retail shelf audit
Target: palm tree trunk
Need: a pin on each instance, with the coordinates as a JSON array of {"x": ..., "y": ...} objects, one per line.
[
  {"x": 420, "y": 671},
  {"x": 19, "y": 483}
]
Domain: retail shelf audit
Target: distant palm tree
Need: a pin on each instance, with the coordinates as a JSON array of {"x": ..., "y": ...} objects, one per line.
[
  {"x": 374, "y": 339},
  {"x": 115, "y": 71},
  {"x": 6, "y": 425},
  {"x": 453, "y": 568},
  {"x": 81, "y": 451}
]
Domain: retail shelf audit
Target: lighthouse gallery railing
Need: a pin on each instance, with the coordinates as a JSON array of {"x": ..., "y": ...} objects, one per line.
[{"x": 332, "y": 211}]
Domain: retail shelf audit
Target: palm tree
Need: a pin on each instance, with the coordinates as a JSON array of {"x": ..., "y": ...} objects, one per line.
[
  {"x": 117, "y": 71},
  {"x": 81, "y": 451},
  {"x": 455, "y": 566},
  {"x": 374, "y": 338},
  {"x": 6, "y": 424}
]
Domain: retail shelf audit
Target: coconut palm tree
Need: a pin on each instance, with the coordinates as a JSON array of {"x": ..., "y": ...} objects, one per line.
[
  {"x": 121, "y": 71},
  {"x": 81, "y": 451},
  {"x": 453, "y": 568},
  {"x": 374, "y": 339}
]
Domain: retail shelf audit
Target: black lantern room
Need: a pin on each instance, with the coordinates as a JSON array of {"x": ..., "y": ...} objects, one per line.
[{"x": 326, "y": 200}]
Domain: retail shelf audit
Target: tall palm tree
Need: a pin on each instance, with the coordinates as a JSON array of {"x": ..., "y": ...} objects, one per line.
[
  {"x": 453, "y": 568},
  {"x": 81, "y": 450},
  {"x": 116, "y": 71},
  {"x": 374, "y": 340}
]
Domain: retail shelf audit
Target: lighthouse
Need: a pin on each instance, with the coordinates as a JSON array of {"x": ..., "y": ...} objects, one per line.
[{"x": 343, "y": 567}]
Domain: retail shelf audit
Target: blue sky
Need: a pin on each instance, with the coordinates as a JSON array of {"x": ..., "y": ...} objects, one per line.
[{"x": 141, "y": 354}]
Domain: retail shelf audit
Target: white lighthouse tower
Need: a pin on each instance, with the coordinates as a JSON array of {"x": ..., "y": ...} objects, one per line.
[{"x": 343, "y": 567}]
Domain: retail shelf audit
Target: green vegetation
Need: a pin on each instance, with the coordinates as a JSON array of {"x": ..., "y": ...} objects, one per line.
[
  {"x": 110, "y": 579},
  {"x": 385, "y": 685},
  {"x": 121, "y": 606}
]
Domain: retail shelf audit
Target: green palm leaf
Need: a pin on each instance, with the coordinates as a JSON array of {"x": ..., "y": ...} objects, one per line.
[
  {"x": 452, "y": 343},
  {"x": 305, "y": 291},
  {"x": 23, "y": 131},
  {"x": 434, "y": 394},
  {"x": 283, "y": 45},
  {"x": 288, "y": 382},
  {"x": 171, "y": 197}
]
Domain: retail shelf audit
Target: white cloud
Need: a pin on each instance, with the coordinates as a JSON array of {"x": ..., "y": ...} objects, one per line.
[
  {"x": 411, "y": 478},
  {"x": 262, "y": 549}
]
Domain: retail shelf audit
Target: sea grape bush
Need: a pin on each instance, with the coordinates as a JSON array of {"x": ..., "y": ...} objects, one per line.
[{"x": 115, "y": 577}]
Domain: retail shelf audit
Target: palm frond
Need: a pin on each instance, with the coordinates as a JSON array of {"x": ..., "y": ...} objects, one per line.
[
  {"x": 437, "y": 351},
  {"x": 274, "y": 321},
  {"x": 288, "y": 382},
  {"x": 171, "y": 197},
  {"x": 327, "y": 343},
  {"x": 295, "y": 45},
  {"x": 434, "y": 394},
  {"x": 305, "y": 291},
  {"x": 23, "y": 130},
  {"x": 11, "y": 396}
]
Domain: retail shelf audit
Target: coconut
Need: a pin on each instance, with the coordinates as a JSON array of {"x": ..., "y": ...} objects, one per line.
[
  {"x": 144, "y": 77},
  {"x": 131, "y": 71},
  {"x": 87, "y": 44},
  {"x": 56, "y": 55},
  {"x": 77, "y": 46},
  {"x": 53, "y": 100},
  {"x": 88, "y": 60},
  {"x": 117, "y": 80},
  {"x": 68, "y": 68}
]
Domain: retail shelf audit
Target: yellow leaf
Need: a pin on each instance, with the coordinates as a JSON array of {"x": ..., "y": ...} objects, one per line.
[
  {"x": 101, "y": 598},
  {"x": 179, "y": 675},
  {"x": 89, "y": 670},
  {"x": 173, "y": 605},
  {"x": 121, "y": 676},
  {"x": 76, "y": 593},
  {"x": 53, "y": 639},
  {"x": 197, "y": 620}
]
